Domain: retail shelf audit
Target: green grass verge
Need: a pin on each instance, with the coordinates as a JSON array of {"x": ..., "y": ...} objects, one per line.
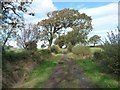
[
  {"x": 39, "y": 75},
  {"x": 96, "y": 74},
  {"x": 42, "y": 71}
]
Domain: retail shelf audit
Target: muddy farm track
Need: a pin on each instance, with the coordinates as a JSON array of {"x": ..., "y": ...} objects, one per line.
[{"x": 68, "y": 74}]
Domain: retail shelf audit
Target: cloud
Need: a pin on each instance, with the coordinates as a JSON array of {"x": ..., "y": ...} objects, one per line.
[
  {"x": 103, "y": 33},
  {"x": 103, "y": 16},
  {"x": 102, "y": 10},
  {"x": 40, "y": 8},
  {"x": 106, "y": 21}
]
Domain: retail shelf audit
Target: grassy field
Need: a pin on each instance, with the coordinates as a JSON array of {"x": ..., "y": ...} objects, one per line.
[
  {"x": 95, "y": 49},
  {"x": 96, "y": 74}
]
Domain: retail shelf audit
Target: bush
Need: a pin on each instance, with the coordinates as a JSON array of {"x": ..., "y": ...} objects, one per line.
[
  {"x": 12, "y": 55},
  {"x": 24, "y": 55},
  {"x": 109, "y": 58},
  {"x": 69, "y": 47},
  {"x": 83, "y": 51},
  {"x": 54, "y": 49},
  {"x": 44, "y": 53},
  {"x": 31, "y": 45},
  {"x": 97, "y": 55}
]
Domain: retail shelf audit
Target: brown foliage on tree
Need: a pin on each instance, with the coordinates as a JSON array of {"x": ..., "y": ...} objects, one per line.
[{"x": 57, "y": 20}]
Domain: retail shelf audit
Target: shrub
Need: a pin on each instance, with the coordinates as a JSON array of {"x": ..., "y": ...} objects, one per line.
[
  {"x": 54, "y": 49},
  {"x": 44, "y": 53},
  {"x": 83, "y": 51},
  {"x": 109, "y": 58},
  {"x": 98, "y": 55},
  {"x": 69, "y": 47},
  {"x": 12, "y": 55},
  {"x": 31, "y": 45},
  {"x": 37, "y": 56}
]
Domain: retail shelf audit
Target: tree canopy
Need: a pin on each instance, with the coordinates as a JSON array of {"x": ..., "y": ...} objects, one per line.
[
  {"x": 94, "y": 39},
  {"x": 13, "y": 11},
  {"x": 57, "y": 20},
  {"x": 76, "y": 36}
]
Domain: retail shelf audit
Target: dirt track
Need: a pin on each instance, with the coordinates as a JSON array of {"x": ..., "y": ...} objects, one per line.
[{"x": 68, "y": 74}]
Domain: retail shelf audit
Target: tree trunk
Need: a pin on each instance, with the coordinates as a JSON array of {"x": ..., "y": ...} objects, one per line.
[
  {"x": 4, "y": 43},
  {"x": 94, "y": 44},
  {"x": 50, "y": 40}
]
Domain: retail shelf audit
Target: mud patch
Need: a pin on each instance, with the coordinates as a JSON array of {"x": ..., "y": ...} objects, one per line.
[{"x": 68, "y": 74}]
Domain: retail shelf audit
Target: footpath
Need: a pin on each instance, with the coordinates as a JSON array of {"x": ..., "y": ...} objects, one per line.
[{"x": 68, "y": 74}]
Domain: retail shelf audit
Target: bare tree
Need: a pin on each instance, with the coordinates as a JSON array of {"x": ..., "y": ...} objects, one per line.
[
  {"x": 28, "y": 37},
  {"x": 11, "y": 17}
]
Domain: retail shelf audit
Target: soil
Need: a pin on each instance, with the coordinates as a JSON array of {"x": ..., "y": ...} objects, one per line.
[{"x": 68, "y": 74}]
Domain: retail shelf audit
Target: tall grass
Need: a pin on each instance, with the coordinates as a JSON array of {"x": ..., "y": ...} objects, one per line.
[
  {"x": 96, "y": 75},
  {"x": 40, "y": 74},
  {"x": 82, "y": 51}
]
